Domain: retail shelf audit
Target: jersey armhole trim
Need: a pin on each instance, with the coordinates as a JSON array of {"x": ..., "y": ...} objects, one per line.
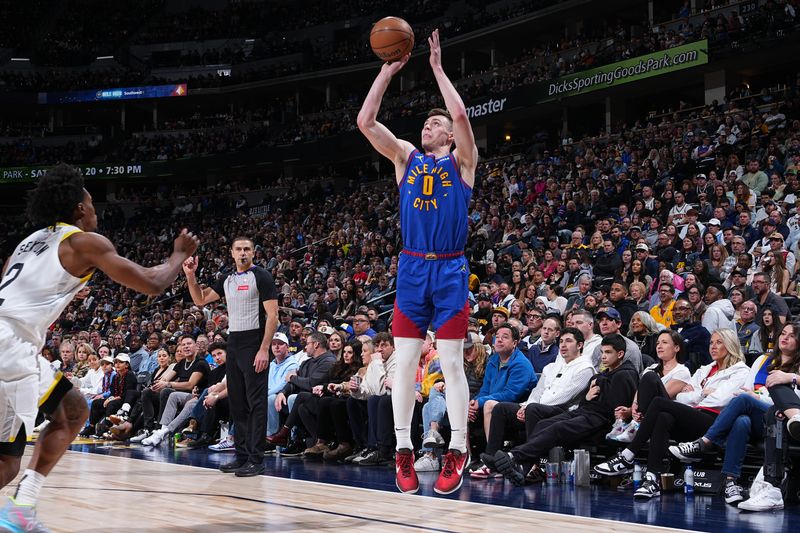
[
  {"x": 69, "y": 234},
  {"x": 408, "y": 164},
  {"x": 66, "y": 236}
]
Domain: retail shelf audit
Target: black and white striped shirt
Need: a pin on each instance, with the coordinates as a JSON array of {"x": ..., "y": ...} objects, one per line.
[{"x": 245, "y": 294}]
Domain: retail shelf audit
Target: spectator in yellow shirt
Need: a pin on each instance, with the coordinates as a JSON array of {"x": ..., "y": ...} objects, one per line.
[{"x": 662, "y": 313}]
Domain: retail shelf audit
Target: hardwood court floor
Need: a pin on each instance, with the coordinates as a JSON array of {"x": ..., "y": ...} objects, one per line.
[
  {"x": 99, "y": 493},
  {"x": 98, "y": 488}
]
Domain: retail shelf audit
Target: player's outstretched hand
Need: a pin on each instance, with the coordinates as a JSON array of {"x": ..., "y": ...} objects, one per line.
[
  {"x": 436, "y": 49},
  {"x": 186, "y": 243},
  {"x": 190, "y": 266},
  {"x": 395, "y": 66}
]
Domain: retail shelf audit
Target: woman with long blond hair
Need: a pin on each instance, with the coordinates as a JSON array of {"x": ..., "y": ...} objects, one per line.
[
  {"x": 687, "y": 417},
  {"x": 717, "y": 254},
  {"x": 82, "y": 352},
  {"x": 743, "y": 419}
]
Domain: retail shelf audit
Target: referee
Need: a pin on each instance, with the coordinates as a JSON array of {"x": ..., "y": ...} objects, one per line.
[{"x": 252, "y": 320}]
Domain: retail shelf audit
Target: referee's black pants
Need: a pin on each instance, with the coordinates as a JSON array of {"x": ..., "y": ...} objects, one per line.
[{"x": 247, "y": 395}]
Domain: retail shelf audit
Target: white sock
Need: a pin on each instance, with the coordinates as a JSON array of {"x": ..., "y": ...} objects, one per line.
[
  {"x": 628, "y": 455},
  {"x": 451, "y": 357},
  {"x": 29, "y": 487},
  {"x": 403, "y": 392}
]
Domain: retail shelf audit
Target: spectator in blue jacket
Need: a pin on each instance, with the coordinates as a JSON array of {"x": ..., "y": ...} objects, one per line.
[
  {"x": 281, "y": 366},
  {"x": 545, "y": 350},
  {"x": 509, "y": 376}
]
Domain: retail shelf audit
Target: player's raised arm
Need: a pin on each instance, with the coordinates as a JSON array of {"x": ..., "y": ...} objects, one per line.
[
  {"x": 86, "y": 251},
  {"x": 379, "y": 136},
  {"x": 467, "y": 152}
]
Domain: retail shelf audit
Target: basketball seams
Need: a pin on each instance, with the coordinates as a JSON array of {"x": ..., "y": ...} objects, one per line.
[
  {"x": 398, "y": 30},
  {"x": 408, "y": 36}
]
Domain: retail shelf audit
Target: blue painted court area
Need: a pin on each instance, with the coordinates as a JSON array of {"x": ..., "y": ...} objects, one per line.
[{"x": 700, "y": 512}]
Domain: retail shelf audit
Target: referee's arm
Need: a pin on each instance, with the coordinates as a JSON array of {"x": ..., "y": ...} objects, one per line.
[{"x": 262, "y": 357}]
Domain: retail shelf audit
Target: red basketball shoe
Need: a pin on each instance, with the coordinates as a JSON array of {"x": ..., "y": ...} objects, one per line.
[
  {"x": 406, "y": 476},
  {"x": 453, "y": 465}
]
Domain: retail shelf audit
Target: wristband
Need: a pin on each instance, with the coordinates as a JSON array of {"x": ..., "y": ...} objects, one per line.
[{"x": 794, "y": 381}]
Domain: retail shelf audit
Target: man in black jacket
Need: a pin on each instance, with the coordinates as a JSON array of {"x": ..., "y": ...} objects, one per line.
[
  {"x": 695, "y": 336},
  {"x": 312, "y": 372},
  {"x": 607, "y": 390},
  {"x": 608, "y": 264},
  {"x": 618, "y": 295}
]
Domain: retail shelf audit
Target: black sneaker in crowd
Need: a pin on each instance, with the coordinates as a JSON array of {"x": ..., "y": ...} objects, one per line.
[
  {"x": 355, "y": 455},
  {"x": 488, "y": 460},
  {"x": 232, "y": 466},
  {"x": 201, "y": 441},
  {"x": 270, "y": 449},
  {"x": 733, "y": 492},
  {"x": 513, "y": 471},
  {"x": 374, "y": 458},
  {"x": 357, "y": 460},
  {"x": 616, "y": 466},
  {"x": 650, "y": 487},
  {"x": 688, "y": 452},
  {"x": 535, "y": 475},
  {"x": 295, "y": 449}
]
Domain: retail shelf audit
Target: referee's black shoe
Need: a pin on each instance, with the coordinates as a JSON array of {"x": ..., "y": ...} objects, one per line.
[
  {"x": 232, "y": 466},
  {"x": 250, "y": 469}
]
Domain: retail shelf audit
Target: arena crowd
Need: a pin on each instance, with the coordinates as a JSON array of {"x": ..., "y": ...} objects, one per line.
[{"x": 638, "y": 287}]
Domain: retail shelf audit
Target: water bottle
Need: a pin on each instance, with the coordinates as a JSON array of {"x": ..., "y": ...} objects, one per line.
[
  {"x": 688, "y": 481},
  {"x": 637, "y": 476}
]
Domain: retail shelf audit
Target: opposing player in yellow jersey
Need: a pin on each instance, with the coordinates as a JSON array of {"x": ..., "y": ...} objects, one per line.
[{"x": 40, "y": 278}]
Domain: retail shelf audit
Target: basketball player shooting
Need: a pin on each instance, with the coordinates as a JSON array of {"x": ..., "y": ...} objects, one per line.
[
  {"x": 41, "y": 277},
  {"x": 435, "y": 186}
]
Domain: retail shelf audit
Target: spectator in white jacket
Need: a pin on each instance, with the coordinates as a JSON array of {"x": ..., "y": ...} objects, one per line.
[
  {"x": 720, "y": 311},
  {"x": 369, "y": 407},
  {"x": 562, "y": 381},
  {"x": 689, "y": 416},
  {"x": 91, "y": 384}
]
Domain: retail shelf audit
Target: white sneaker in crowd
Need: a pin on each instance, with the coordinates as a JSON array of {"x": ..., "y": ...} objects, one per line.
[
  {"x": 156, "y": 438},
  {"x": 224, "y": 445},
  {"x": 427, "y": 463},
  {"x": 763, "y": 497}
]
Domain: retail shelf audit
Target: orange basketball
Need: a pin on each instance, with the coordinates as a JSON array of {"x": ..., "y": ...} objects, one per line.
[{"x": 391, "y": 38}]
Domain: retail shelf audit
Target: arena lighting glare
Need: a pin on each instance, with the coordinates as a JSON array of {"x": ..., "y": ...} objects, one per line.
[
  {"x": 100, "y": 58},
  {"x": 508, "y": 137},
  {"x": 21, "y": 59}
]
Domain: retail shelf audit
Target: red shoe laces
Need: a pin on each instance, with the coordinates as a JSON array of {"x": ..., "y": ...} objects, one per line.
[
  {"x": 406, "y": 461},
  {"x": 449, "y": 464}
]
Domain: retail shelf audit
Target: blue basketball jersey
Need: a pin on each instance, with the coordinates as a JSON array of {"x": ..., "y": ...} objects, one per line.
[{"x": 434, "y": 204}]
